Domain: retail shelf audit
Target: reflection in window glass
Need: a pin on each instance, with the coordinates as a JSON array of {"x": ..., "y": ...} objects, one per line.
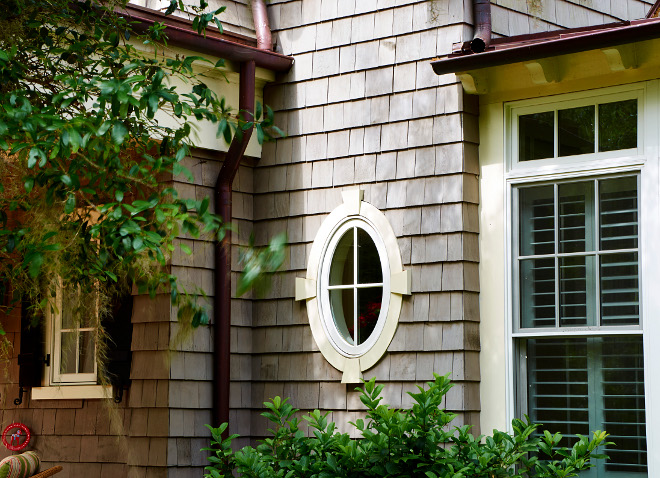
[
  {"x": 341, "y": 271},
  {"x": 617, "y": 125},
  {"x": 370, "y": 270},
  {"x": 576, "y": 217},
  {"x": 536, "y": 134},
  {"x": 577, "y": 130},
  {"x": 69, "y": 352},
  {"x": 369, "y": 303},
  {"x": 341, "y": 302},
  {"x": 537, "y": 292},
  {"x": 576, "y": 302},
  {"x": 537, "y": 221},
  {"x": 618, "y": 213},
  {"x": 619, "y": 289}
]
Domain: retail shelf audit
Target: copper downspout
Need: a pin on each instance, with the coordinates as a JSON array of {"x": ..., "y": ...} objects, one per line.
[
  {"x": 261, "y": 25},
  {"x": 482, "y": 26},
  {"x": 222, "y": 299}
]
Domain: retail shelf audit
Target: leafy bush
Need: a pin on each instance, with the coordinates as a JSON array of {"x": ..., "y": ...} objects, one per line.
[{"x": 418, "y": 442}]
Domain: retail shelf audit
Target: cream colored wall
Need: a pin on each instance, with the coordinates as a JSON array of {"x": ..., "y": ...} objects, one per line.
[{"x": 492, "y": 267}]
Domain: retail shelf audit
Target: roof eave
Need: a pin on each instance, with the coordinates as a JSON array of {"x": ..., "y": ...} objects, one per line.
[
  {"x": 631, "y": 33},
  {"x": 211, "y": 44}
]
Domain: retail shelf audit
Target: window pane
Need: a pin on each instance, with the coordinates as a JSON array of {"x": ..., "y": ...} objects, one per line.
[
  {"x": 341, "y": 302},
  {"x": 618, "y": 213},
  {"x": 536, "y": 134},
  {"x": 623, "y": 403},
  {"x": 537, "y": 221},
  {"x": 369, "y": 303},
  {"x": 370, "y": 270},
  {"x": 619, "y": 289},
  {"x": 576, "y": 217},
  {"x": 68, "y": 303},
  {"x": 576, "y": 291},
  {"x": 558, "y": 386},
  {"x": 537, "y": 292},
  {"x": 617, "y": 125},
  {"x": 579, "y": 385},
  {"x": 341, "y": 270},
  {"x": 576, "y": 130},
  {"x": 68, "y": 352},
  {"x": 87, "y": 352}
]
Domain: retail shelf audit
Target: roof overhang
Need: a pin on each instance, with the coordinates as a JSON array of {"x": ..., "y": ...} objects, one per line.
[
  {"x": 227, "y": 46},
  {"x": 529, "y": 61}
]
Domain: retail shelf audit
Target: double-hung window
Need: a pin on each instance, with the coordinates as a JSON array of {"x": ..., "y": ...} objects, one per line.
[{"x": 576, "y": 250}]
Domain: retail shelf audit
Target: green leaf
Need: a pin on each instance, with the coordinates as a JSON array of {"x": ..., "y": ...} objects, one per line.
[
  {"x": 119, "y": 132},
  {"x": 66, "y": 180},
  {"x": 28, "y": 184},
  {"x": 186, "y": 250},
  {"x": 257, "y": 115},
  {"x": 119, "y": 195},
  {"x": 34, "y": 261},
  {"x": 70, "y": 204}
]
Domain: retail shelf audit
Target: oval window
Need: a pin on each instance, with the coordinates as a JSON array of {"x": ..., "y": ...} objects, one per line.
[{"x": 354, "y": 287}]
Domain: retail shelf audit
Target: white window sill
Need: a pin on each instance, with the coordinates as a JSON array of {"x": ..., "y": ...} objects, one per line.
[{"x": 71, "y": 392}]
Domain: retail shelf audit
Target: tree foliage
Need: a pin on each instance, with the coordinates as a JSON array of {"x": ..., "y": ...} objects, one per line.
[
  {"x": 417, "y": 442},
  {"x": 91, "y": 127}
]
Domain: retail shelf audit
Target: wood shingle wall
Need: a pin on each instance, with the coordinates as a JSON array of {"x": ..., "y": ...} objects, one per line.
[
  {"x": 237, "y": 18},
  {"x": 362, "y": 106},
  {"x": 519, "y": 17}
]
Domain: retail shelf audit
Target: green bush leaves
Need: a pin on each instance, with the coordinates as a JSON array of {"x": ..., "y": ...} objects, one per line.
[{"x": 417, "y": 442}]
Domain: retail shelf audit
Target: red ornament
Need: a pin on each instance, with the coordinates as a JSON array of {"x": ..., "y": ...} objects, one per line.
[{"x": 16, "y": 437}]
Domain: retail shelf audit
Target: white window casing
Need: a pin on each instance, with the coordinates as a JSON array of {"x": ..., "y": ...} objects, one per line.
[
  {"x": 642, "y": 162},
  {"x": 333, "y": 339}
]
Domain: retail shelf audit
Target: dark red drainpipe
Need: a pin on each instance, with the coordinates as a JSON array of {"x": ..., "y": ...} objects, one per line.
[
  {"x": 222, "y": 301},
  {"x": 482, "y": 26},
  {"x": 223, "y": 187}
]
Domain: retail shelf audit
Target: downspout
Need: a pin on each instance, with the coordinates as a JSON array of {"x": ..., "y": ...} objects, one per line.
[
  {"x": 261, "y": 25},
  {"x": 223, "y": 188},
  {"x": 482, "y": 26}
]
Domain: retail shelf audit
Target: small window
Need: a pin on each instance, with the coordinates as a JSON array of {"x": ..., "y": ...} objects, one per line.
[
  {"x": 354, "y": 291},
  {"x": 573, "y": 131},
  {"x": 74, "y": 339},
  {"x": 354, "y": 286}
]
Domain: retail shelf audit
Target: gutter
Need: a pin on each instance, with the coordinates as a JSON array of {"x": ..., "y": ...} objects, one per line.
[
  {"x": 212, "y": 43},
  {"x": 622, "y": 33},
  {"x": 223, "y": 205}
]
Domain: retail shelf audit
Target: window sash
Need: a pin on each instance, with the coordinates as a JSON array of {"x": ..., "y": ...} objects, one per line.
[
  {"x": 549, "y": 299},
  {"x": 58, "y": 350}
]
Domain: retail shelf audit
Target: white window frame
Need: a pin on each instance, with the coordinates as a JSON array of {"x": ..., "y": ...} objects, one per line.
[
  {"x": 327, "y": 316},
  {"x": 643, "y": 161},
  {"x": 309, "y": 288},
  {"x": 56, "y": 377},
  {"x": 57, "y": 386}
]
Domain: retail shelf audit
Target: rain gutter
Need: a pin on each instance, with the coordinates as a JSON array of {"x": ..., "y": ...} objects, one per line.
[{"x": 566, "y": 43}]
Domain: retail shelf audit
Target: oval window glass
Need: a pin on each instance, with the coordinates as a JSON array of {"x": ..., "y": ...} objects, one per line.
[{"x": 355, "y": 289}]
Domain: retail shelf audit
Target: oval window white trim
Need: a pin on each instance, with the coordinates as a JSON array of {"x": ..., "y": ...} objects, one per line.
[
  {"x": 308, "y": 288},
  {"x": 328, "y": 318}
]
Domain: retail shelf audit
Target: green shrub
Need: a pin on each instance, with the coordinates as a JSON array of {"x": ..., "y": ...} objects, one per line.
[{"x": 418, "y": 442}]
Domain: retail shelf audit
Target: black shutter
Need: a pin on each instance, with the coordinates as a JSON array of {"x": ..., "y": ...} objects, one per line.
[
  {"x": 31, "y": 358},
  {"x": 119, "y": 330}
]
